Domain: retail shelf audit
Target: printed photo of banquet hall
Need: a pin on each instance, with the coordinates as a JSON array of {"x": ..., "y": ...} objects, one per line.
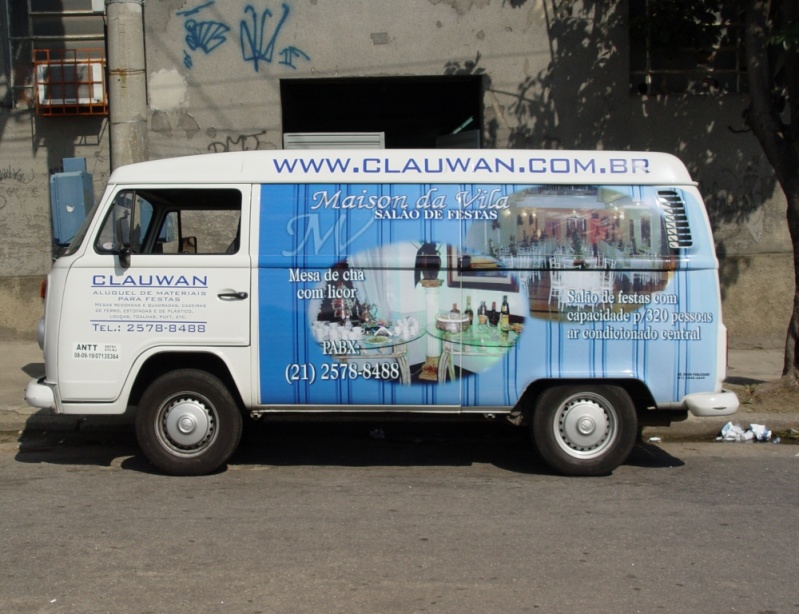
[{"x": 572, "y": 247}]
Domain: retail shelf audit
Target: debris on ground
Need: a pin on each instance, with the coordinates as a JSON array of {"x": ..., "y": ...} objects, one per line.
[
  {"x": 736, "y": 433},
  {"x": 760, "y": 431}
]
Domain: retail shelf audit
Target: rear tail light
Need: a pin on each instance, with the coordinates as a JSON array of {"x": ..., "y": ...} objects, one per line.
[{"x": 43, "y": 289}]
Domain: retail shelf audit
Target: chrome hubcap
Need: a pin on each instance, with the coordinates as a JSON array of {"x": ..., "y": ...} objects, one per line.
[
  {"x": 188, "y": 423},
  {"x": 585, "y": 426}
]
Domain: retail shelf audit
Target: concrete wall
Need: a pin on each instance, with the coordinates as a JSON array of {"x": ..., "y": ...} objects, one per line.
[
  {"x": 31, "y": 149},
  {"x": 556, "y": 76}
]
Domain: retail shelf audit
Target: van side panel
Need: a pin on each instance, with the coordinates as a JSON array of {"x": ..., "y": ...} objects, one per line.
[{"x": 597, "y": 282}]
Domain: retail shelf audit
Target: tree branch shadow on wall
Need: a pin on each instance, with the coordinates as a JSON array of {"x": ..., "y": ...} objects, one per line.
[
  {"x": 730, "y": 268},
  {"x": 583, "y": 100}
]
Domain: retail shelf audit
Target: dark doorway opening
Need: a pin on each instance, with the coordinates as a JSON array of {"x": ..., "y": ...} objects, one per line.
[{"x": 412, "y": 111}]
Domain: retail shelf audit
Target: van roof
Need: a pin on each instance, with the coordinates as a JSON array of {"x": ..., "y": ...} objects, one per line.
[{"x": 485, "y": 166}]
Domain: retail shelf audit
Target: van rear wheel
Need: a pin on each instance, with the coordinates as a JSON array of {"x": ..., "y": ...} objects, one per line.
[
  {"x": 188, "y": 423},
  {"x": 584, "y": 430}
]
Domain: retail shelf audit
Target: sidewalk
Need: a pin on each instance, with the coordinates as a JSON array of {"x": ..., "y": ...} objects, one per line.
[{"x": 21, "y": 361}]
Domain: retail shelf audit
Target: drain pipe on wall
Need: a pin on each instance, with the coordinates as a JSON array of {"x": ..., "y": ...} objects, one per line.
[{"x": 127, "y": 85}]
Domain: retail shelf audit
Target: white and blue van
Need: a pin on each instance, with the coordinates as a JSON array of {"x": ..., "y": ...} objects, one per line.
[{"x": 572, "y": 292}]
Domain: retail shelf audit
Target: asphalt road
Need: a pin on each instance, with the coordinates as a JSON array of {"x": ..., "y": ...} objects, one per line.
[{"x": 395, "y": 518}]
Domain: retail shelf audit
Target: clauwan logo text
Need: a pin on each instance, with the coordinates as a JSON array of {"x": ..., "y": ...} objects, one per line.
[{"x": 149, "y": 281}]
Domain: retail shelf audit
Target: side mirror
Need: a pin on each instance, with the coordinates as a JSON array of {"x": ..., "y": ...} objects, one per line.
[{"x": 188, "y": 245}]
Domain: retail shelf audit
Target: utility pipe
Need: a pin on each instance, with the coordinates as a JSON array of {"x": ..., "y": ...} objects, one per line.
[{"x": 127, "y": 85}]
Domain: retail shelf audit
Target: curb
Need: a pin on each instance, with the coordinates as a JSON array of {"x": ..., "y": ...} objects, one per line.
[
  {"x": 710, "y": 428},
  {"x": 11, "y": 421}
]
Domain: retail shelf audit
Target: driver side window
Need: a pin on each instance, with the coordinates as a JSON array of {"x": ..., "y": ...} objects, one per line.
[{"x": 172, "y": 221}]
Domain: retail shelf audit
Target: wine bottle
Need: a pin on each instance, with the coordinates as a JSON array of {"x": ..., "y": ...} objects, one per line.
[
  {"x": 482, "y": 313},
  {"x": 504, "y": 315},
  {"x": 493, "y": 315},
  {"x": 468, "y": 311}
]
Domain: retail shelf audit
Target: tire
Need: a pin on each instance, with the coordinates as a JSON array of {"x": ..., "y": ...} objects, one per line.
[
  {"x": 584, "y": 430},
  {"x": 188, "y": 423}
]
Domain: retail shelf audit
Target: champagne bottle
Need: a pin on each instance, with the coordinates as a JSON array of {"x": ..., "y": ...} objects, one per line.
[
  {"x": 455, "y": 313},
  {"x": 504, "y": 315}
]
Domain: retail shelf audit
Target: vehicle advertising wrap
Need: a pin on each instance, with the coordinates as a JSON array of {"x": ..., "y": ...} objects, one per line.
[{"x": 456, "y": 295}]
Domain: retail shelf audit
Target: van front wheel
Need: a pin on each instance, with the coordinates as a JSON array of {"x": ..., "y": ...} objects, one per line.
[
  {"x": 584, "y": 430},
  {"x": 188, "y": 423}
]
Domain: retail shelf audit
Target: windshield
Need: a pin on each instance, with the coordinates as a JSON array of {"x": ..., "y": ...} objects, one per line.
[{"x": 77, "y": 240}]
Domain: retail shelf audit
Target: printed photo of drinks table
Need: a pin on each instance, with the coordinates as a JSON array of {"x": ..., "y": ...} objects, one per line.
[
  {"x": 480, "y": 340},
  {"x": 376, "y": 349}
]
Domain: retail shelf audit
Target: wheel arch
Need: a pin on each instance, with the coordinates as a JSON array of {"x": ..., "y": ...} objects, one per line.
[
  {"x": 637, "y": 390},
  {"x": 163, "y": 362}
]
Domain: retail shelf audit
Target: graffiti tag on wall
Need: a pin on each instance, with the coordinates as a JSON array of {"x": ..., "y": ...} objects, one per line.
[
  {"x": 15, "y": 174},
  {"x": 259, "y": 34},
  {"x": 241, "y": 142},
  {"x": 16, "y": 188}
]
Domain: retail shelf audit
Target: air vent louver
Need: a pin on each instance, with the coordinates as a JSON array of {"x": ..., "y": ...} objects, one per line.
[{"x": 677, "y": 228}]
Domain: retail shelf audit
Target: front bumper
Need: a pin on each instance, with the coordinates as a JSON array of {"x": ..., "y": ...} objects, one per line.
[
  {"x": 707, "y": 404},
  {"x": 40, "y": 394}
]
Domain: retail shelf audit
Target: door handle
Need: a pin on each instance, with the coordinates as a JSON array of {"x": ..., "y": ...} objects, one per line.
[{"x": 232, "y": 296}]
